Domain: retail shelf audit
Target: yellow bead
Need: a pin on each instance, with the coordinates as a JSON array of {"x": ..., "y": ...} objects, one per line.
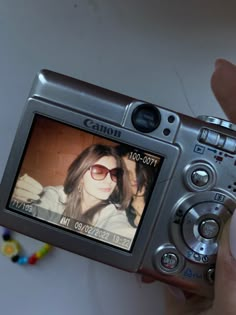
[
  {"x": 47, "y": 246},
  {"x": 10, "y": 248},
  {"x": 38, "y": 254},
  {"x": 43, "y": 250}
]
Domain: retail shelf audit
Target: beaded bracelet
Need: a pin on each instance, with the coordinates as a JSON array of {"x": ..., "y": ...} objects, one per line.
[{"x": 11, "y": 248}]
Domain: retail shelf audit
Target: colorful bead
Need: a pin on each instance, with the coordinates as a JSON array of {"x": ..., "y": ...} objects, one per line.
[
  {"x": 15, "y": 258},
  {"x": 6, "y": 236},
  {"x": 22, "y": 260},
  {"x": 39, "y": 255},
  {"x": 11, "y": 248},
  {"x": 47, "y": 246},
  {"x": 44, "y": 250},
  {"x": 32, "y": 259}
]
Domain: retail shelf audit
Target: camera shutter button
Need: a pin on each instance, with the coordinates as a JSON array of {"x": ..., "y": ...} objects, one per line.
[{"x": 200, "y": 177}]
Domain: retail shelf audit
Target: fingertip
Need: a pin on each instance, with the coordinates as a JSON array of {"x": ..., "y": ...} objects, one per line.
[
  {"x": 223, "y": 85},
  {"x": 219, "y": 62}
]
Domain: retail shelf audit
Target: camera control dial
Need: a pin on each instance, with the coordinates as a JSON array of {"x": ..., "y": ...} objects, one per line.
[
  {"x": 201, "y": 227},
  {"x": 197, "y": 223}
]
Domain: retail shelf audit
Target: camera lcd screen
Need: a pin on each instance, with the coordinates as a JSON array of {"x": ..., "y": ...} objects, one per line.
[{"x": 84, "y": 183}]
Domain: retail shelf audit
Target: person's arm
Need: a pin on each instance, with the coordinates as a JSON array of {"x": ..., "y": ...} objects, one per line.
[{"x": 27, "y": 189}]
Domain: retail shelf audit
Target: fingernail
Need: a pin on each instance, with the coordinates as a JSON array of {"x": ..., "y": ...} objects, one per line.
[
  {"x": 232, "y": 235},
  {"x": 177, "y": 293}
]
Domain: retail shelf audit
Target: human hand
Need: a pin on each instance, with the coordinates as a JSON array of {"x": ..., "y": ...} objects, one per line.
[
  {"x": 27, "y": 189},
  {"x": 223, "y": 83}
]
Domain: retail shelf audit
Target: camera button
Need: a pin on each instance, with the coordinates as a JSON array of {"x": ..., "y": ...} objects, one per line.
[
  {"x": 211, "y": 275},
  {"x": 169, "y": 261},
  {"x": 200, "y": 177},
  {"x": 218, "y": 140},
  {"x": 209, "y": 228}
]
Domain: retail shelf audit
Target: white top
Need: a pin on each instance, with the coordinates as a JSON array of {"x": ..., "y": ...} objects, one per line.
[{"x": 109, "y": 218}]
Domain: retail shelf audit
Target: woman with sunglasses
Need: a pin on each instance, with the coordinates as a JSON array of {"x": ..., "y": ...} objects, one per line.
[
  {"x": 95, "y": 180},
  {"x": 96, "y": 191}
]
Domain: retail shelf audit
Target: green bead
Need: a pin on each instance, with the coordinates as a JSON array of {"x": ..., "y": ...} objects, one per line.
[{"x": 43, "y": 251}]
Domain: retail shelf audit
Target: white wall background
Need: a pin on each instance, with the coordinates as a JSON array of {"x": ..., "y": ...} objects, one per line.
[{"x": 160, "y": 51}]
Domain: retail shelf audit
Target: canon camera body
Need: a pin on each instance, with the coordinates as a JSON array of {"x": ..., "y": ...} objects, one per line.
[{"x": 189, "y": 165}]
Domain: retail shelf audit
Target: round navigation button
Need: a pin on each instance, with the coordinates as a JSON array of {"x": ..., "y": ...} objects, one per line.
[
  {"x": 169, "y": 261},
  {"x": 166, "y": 259},
  {"x": 209, "y": 228},
  {"x": 200, "y": 177}
]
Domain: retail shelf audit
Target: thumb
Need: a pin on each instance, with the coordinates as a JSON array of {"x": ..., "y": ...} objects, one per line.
[
  {"x": 225, "y": 282},
  {"x": 223, "y": 84}
]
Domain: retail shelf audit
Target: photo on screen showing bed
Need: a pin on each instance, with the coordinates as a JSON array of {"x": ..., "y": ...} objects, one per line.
[{"x": 84, "y": 183}]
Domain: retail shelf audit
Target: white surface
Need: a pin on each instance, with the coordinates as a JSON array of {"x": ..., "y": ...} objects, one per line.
[{"x": 160, "y": 51}]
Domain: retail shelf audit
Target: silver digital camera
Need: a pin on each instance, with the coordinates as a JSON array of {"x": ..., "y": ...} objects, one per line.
[{"x": 121, "y": 181}]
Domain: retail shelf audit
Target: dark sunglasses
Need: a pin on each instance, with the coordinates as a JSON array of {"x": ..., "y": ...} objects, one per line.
[{"x": 99, "y": 172}]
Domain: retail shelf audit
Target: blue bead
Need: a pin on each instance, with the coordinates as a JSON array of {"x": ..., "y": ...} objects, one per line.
[
  {"x": 6, "y": 234},
  {"x": 22, "y": 260}
]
